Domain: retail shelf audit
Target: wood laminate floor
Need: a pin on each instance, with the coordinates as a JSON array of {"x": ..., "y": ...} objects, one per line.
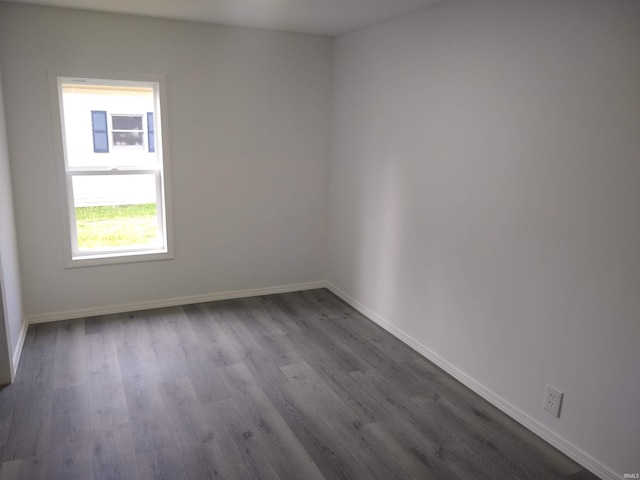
[{"x": 288, "y": 386}]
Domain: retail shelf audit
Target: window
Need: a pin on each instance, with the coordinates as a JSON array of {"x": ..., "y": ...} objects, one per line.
[
  {"x": 113, "y": 170},
  {"x": 127, "y": 130}
]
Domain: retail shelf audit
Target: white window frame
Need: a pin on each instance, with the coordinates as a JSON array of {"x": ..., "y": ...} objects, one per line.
[{"x": 73, "y": 256}]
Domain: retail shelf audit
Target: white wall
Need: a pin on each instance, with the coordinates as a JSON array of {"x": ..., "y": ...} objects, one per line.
[
  {"x": 485, "y": 202},
  {"x": 11, "y": 313},
  {"x": 249, "y": 126}
]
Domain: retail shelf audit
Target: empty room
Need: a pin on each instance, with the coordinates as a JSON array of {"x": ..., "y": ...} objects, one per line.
[{"x": 320, "y": 239}]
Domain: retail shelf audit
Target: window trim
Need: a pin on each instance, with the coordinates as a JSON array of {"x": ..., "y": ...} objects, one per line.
[{"x": 71, "y": 256}]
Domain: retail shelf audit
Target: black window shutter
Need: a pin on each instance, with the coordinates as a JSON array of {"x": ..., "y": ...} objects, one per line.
[
  {"x": 151, "y": 132},
  {"x": 100, "y": 133}
]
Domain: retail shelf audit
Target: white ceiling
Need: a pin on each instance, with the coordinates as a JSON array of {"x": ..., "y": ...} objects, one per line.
[{"x": 324, "y": 17}]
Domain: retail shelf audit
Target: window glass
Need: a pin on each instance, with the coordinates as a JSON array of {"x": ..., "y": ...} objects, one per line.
[
  {"x": 115, "y": 211},
  {"x": 105, "y": 126},
  {"x": 127, "y": 122},
  {"x": 127, "y": 139}
]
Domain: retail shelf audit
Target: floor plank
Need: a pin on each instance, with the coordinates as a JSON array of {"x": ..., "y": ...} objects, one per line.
[{"x": 298, "y": 385}]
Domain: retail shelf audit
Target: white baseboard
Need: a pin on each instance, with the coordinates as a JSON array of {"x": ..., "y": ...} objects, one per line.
[
  {"x": 169, "y": 302},
  {"x": 566, "y": 447}
]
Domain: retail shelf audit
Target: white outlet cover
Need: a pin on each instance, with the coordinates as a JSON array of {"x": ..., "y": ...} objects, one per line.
[{"x": 553, "y": 400}]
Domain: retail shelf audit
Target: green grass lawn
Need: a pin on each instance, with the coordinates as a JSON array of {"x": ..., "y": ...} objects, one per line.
[{"x": 116, "y": 226}]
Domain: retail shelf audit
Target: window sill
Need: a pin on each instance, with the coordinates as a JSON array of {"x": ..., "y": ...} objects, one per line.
[{"x": 118, "y": 258}]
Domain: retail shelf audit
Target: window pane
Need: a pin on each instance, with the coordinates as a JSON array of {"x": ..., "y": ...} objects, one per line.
[
  {"x": 127, "y": 138},
  {"x": 121, "y": 110},
  {"x": 115, "y": 211},
  {"x": 127, "y": 122}
]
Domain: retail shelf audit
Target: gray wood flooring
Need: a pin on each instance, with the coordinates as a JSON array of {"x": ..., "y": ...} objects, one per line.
[{"x": 286, "y": 386}]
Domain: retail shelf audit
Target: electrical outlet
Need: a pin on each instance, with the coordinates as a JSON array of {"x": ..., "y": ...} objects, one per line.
[{"x": 553, "y": 400}]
